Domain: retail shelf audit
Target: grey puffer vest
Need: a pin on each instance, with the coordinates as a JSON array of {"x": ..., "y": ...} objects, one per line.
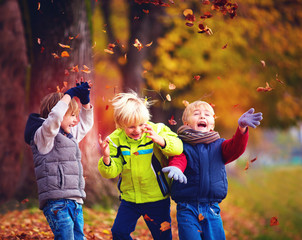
[{"x": 59, "y": 173}]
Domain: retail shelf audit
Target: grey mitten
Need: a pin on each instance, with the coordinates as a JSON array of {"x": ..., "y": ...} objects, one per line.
[
  {"x": 250, "y": 119},
  {"x": 175, "y": 173}
]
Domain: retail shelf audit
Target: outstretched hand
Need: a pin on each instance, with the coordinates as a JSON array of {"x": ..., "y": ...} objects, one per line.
[
  {"x": 175, "y": 173},
  {"x": 250, "y": 119},
  {"x": 82, "y": 91}
]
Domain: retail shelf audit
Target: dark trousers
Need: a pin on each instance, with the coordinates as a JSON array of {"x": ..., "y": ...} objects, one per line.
[{"x": 156, "y": 216}]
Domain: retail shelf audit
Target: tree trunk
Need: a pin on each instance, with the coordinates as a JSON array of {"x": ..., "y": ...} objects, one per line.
[{"x": 13, "y": 61}]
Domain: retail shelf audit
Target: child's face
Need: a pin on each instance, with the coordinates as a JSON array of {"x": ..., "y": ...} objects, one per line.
[
  {"x": 201, "y": 120},
  {"x": 69, "y": 120},
  {"x": 135, "y": 131}
]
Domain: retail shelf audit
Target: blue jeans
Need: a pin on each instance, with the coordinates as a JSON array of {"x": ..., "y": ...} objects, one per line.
[
  {"x": 65, "y": 218},
  {"x": 128, "y": 214},
  {"x": 190, "y": 225}
]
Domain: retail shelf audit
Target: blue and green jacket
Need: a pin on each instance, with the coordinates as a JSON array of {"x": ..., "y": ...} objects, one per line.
[{"x": 138, "y": 163}]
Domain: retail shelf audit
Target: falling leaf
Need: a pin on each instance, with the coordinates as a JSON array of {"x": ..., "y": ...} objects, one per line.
[
  {"x": 146, "y": 11},
  {"x": 39, "y": 6},
  {"x": 55, "y": 55},
  {"x": 254, "y": 159},
  {"x": 278, "y": 80},
  {"x": 247, "y": 165},
  {"x": 274, "y": 221},
  {"x": 187, "y": 12},
  {"x": 204, "y": 29},
  {"x": 86, "y": 69},
  {"x": 197, "y": 77},
  {"x": 147, "y": 218},
  {"x": 136, "y": 153},
  {"x": 75, "y": 69},
  {"x": 42, "y": 49},
  {"x": 168, "y": 97},
  {"x": 172, "y": 121},
  {"x": 267, "y": 88},
  {"x": 39, "y": 41},
  {"x": 64, "y": 46},
  {"x": 64, "y": 54},
  {"x": 106, "y": 108},
  {"x": 164, "y": 226},
  {"x": 108, "y": 51},
  {"x": 172, "y": 86},
  {"x": 24, "y": 201},
  {"x": 200, "y": 217},
  {"x": 263, "y": 63},
  {"x": 138, "y": 45},
  {"x": 185, "y": 102},
  {"x": 149, "y": 44},
  {"x": 225, "y": 46},
  {"x": 66, "y": 72},
  {"x": 206, "y": 15}
]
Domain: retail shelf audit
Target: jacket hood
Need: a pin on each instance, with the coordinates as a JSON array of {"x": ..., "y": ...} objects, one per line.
[{"x": 33, "y": 123}]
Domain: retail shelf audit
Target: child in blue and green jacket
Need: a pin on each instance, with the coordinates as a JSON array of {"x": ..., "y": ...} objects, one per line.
[{"x": 136, "y": 152}]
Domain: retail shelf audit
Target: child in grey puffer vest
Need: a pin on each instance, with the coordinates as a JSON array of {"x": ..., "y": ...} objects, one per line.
[{"x": 53, "y": 136}]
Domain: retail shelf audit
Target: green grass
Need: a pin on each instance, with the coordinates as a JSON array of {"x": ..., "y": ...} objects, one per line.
[{"x": 255, "y": 196}]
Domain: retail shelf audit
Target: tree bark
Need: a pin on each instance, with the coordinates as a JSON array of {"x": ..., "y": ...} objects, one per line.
[{"x": 13, "y": 61}]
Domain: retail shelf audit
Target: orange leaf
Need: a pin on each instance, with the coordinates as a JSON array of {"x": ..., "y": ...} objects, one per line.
[
  {"x": 263, "y": 63},
  {"x": 168, "y": 97},
  {"x": 64, "y": 46},
  {"x": 187, "y": 12},
  {"x": 274, "y": 221},
  {"x": 149, "y": 44},
  {"x": 66, "y": 72},
  {"x": 136, "y": 153},
  {"x": 185, "y": 102},
  {"x": 75, "y": 69},
  {"x": 200, "y": 217},
  {"x": 108, "y": 51},
  {"x": 138, "y": 45},
  {"x": 146, "y": 11},
  {"x": 24, "y": 200},
  {"x": 64, "y": 54},
  {"x": 55, "y": 55},
  {"x": 39, "y": 6},
  {"x": 254, "y": 159},
  {"x": 172, "y": 121},
  {"x": 247, "y": 165},
  {"x": 172, "y": 86},
  {"x": 197, "y": 77},
  {"x": 147, "y": 218},
  {"x": 86, "y": 69},
  {"x": 164, "y": 226},
  {"x": 225, "y": 46},
  {"x": 267, "y": 88}
]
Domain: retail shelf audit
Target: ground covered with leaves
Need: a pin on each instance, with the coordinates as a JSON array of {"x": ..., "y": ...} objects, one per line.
[{"x": 262, "y": 204}]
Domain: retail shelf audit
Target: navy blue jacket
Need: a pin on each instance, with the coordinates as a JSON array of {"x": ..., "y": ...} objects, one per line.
[{"x": 206, "y": 174}]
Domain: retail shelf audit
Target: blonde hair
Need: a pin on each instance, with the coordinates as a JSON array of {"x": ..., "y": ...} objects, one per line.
[
  {"x": 193, "y": 106},
  {"x": 50, "y": 100},
  {"x": 129, "y": 109}
]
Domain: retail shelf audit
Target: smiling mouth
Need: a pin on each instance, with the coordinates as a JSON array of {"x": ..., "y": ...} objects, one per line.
[{"x": 202, "y": 125}]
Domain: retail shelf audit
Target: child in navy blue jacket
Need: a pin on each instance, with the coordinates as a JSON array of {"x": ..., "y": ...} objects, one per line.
[{"x": 203, "y": 161}]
